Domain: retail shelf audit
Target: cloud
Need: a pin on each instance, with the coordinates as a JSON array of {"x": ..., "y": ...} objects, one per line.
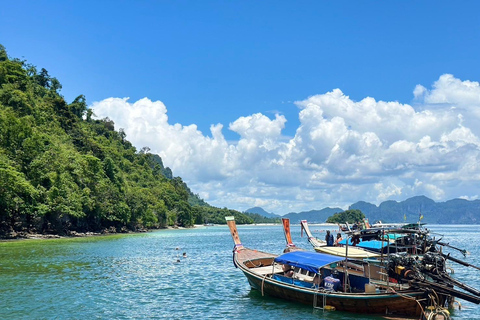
[{"x": 343, "y": 151}]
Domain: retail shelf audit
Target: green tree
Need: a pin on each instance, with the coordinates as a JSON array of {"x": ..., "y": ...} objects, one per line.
[
  {"x": 350, "y": 216},
  {"x": 79, "y": 106},
  {"x": 62, "y": 171},
  {"x": 3, "y": 54},
  {"x": 17, "y": 196}
]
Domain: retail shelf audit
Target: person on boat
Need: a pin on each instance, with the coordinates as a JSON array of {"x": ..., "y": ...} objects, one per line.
[
  {"x": 331, "y": 283},
  {"x": 355, "y": 240},
  {"x": 337, "y": 241},
  {"x": 329, "y": 239},
  {"x": 287, "y": 270},
  {"x": 317, "y": 280}
]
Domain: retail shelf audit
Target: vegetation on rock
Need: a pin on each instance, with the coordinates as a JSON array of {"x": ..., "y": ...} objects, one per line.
[
  {"x": 61, "y": 171},
  {"x": 350, "y": 216}
]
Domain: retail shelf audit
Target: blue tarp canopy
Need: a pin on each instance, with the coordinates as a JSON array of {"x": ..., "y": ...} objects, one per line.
[
  {"x": 311, "y": 261},
  {"x": 372, "y": 245}
]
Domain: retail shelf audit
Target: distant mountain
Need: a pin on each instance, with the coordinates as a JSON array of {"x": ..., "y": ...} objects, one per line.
[
  {"x": 456, "y": 211},
  {"x": 262, "y": 212},
  {"x": 312, "y": 216}
]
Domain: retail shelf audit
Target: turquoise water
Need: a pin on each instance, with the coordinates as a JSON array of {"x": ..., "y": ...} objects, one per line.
[{"x": 138, "y": 276}]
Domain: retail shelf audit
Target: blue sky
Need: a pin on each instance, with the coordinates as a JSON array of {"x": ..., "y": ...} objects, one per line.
[{"x": 261, "y": 70}]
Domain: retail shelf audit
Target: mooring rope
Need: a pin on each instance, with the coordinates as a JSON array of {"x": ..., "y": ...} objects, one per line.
[
  {"x": 409, "y": 298},
  {"x": 263, "y": 282}
]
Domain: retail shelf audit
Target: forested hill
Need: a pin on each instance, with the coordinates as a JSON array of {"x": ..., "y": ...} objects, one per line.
[
  {"x": 455, "y": 211},
  {"x": 61, "y": 171}
]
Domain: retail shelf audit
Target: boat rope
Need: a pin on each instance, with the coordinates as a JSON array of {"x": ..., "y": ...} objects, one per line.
[
  {"x": 263, "y": 282},
  {"x": 434, "y": 303},
  {"x": 459, "y": 305},
  {"x": 452, "y": 271},
  {"x": 391, "y": 289},
  {"x": 437, "y": 312},
  {"x": 252, "y": 263},
  {"x": 436, "y": 299}
]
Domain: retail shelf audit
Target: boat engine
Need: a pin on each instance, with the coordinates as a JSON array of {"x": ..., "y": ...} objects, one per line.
[
  {"x": 434, "y": 263},
  {"x": 429, "y": 273},
  {"x": 403, "y": 267}
]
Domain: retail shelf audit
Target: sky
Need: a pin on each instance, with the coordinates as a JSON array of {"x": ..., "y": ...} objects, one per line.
[{"x": 287, "y": 105}]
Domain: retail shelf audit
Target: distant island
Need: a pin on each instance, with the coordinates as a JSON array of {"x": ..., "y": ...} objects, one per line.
[{"x": 456, "y": 211}]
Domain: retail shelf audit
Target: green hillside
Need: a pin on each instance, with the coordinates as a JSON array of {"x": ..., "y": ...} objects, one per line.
[{"x": 63, "y": 171}]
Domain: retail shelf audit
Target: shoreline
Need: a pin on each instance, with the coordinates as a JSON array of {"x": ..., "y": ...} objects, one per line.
[{"x": 20, "y": 236}]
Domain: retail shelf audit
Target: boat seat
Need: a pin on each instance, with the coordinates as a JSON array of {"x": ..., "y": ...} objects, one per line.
[
  {"x": 303, "y": 277},
  {"x": 293, "y": 281},
  {"x": 267, "y": 270}
]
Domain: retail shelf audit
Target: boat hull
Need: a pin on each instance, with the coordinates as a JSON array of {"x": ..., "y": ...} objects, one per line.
[
  {"x": 404, "y": 304},
  {"x": 358, "y": 303}
]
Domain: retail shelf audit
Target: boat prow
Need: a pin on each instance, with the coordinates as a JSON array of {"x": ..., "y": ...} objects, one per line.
[
  {"x": 313, "y": 241},
  {"x": 288, "y": 237}
]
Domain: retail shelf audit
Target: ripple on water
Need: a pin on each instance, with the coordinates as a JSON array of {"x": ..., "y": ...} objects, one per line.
[{"x": 138, "y": 276}]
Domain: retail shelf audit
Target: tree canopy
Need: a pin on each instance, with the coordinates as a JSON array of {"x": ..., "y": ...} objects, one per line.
[
  {"x": 63, "y": 171},
  {"x": 350, "y": 216}
]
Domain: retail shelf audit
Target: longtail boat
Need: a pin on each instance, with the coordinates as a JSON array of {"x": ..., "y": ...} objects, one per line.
[
  {"x": 357, "y": 292},
  {"x": 415, "y": 259},
  {"x": 321, "y": 246}
]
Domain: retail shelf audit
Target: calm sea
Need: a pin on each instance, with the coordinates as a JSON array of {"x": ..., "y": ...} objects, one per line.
[{"x": 138, "y": 276}]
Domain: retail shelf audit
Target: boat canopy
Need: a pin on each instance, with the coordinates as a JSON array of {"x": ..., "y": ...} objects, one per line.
[
  {"x": 353, "y": 252},
  {"x": 374, "y": 245},
  {"x": 311, "y": 261}
]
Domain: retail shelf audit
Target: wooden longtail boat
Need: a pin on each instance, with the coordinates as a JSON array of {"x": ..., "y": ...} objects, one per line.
[
  {"x": 419, "y": 263},
  {"x": 265, "y": 272},
  {"x": 321, "y": 246}
]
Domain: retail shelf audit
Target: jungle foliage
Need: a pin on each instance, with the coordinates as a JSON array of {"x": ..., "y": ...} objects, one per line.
[{"x": 63, "y": 171}]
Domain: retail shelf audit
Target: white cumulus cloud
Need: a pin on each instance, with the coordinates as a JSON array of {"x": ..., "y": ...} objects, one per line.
[{"x": 343, "y": 150}]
